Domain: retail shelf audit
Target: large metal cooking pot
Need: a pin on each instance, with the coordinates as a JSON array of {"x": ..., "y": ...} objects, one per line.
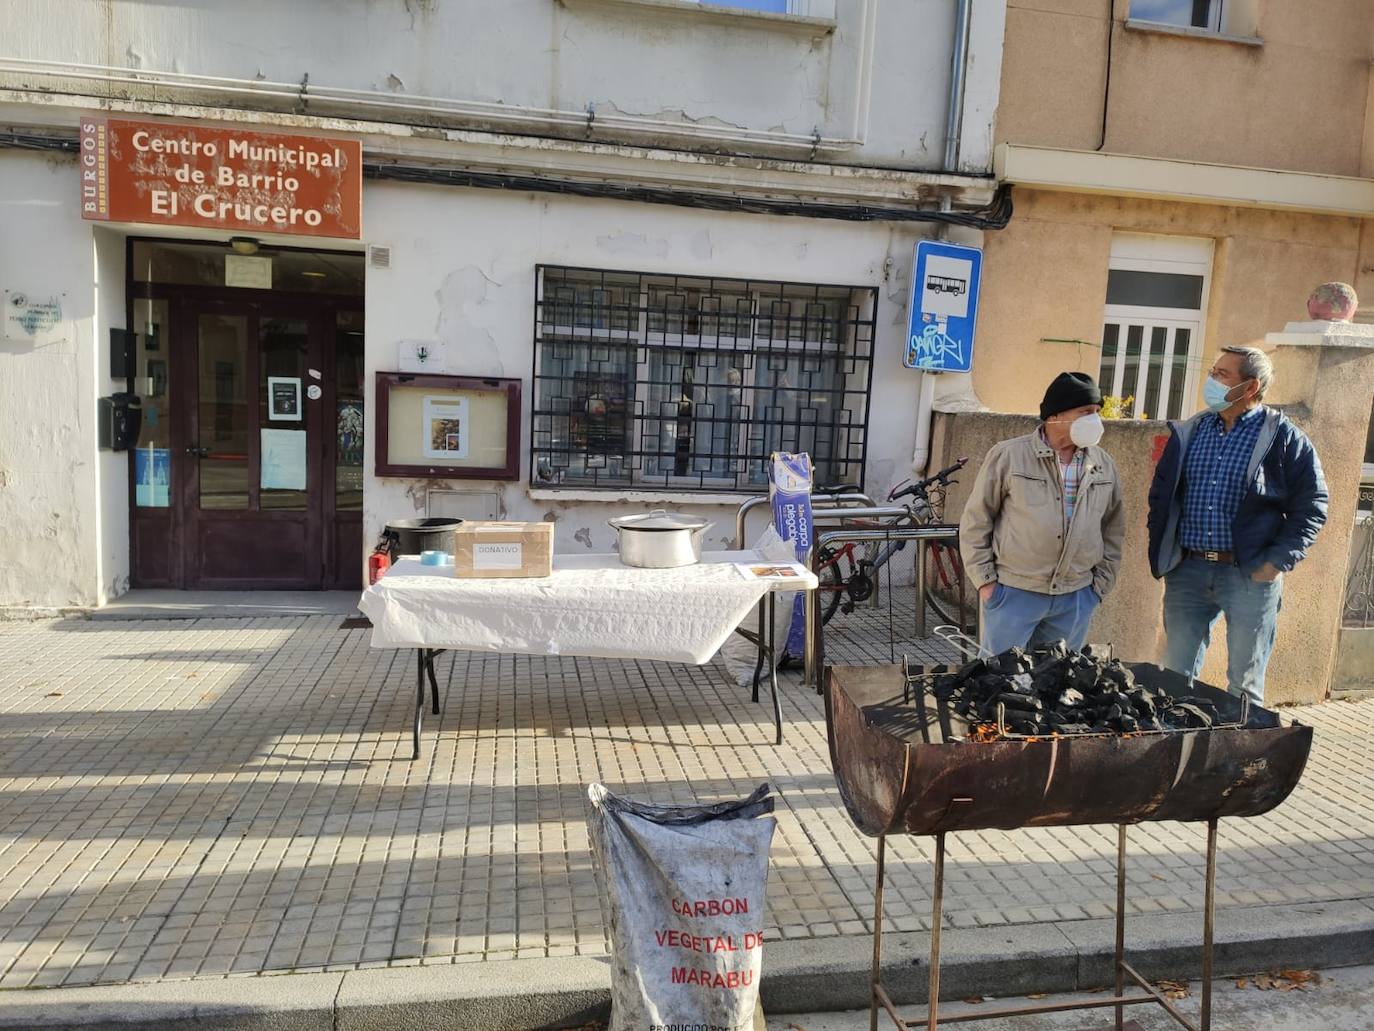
[{"x": 659, "y": 539}]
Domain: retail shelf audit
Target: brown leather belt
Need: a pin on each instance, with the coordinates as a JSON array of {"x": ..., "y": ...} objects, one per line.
[{"x": 1225, "y": 558}]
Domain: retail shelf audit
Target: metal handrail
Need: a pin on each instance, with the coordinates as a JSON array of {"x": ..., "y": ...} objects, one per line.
[
  {"x": 818, "y": 501},
  {"x": 814, "y": 644}
]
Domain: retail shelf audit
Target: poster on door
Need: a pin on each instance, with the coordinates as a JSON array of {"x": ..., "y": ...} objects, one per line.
[
  {"x": 152, "y": 477},
  {"x": 283, "y": 399},
  {"x": 445, "y": 427}
]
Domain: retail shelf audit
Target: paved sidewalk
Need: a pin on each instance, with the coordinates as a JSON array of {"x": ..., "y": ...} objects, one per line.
[{"x": 214, "y": 798}]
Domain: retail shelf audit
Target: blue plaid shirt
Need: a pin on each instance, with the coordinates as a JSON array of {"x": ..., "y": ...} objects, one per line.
[{"x": 1214, "y": 479}]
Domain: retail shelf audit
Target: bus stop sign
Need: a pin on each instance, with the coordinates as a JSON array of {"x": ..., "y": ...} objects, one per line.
[{"x": 944, "y": 307}]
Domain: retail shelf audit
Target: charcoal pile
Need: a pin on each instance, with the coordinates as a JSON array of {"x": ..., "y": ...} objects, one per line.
[{"x": 1050, "y": 691}]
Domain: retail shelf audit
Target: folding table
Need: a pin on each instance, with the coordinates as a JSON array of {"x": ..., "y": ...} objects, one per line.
[{"x": 592, "y": 605}]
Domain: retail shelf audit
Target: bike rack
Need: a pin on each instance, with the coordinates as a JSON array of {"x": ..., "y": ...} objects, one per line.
[
  {"x": 815, "y": 642},
  {"x": 819, "y": 502}
]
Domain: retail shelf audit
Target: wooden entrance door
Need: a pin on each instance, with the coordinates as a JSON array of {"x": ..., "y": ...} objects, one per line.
[
  {"x": 242, "y": 478},
  {"x": 268, "y": 445},
  {"x": 252, "y": 499}
]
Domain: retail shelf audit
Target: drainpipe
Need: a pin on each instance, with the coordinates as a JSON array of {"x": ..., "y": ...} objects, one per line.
[{"x": 954, "y": 117}]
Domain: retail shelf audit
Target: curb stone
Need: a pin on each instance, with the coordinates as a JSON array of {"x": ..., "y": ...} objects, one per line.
[{"x": 811, "y": 975}]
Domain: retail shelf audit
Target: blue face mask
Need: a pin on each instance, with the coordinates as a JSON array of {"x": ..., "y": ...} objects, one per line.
[{"x": 1214, "y": 395}]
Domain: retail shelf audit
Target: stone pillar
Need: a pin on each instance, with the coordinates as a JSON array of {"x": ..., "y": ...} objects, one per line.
[{"x": 1324, "y": 381}]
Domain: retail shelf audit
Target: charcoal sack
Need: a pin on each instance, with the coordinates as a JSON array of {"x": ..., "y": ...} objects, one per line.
[{"x": 685, "y": 888}]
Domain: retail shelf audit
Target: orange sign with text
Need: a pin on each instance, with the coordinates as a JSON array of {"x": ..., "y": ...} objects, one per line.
[{"x": 161, "y": 173}]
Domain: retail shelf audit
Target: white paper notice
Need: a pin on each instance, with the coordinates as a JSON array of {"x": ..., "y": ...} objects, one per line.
[
  {"x": 497, "y": 556},
  {"x": 446, "y": 427},
  {"x": 283, "y": 460},
  {"x": 243, "y": 271}
]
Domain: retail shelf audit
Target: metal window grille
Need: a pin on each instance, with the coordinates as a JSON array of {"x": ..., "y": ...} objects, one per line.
[{"x": 689, "y": 383}]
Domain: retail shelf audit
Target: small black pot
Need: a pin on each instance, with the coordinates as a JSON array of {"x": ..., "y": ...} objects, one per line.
[{"x": 413, "y": 536}]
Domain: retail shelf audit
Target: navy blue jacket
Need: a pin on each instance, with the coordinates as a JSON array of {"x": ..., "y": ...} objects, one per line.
[{"x": 1283, "y": 507}]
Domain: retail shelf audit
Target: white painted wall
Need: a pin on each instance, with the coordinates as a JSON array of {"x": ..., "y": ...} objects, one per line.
[
  {"x": 51, "y": 476},
  {"x": 462, "y": 280},
  {"x": 882, "y": 75}
]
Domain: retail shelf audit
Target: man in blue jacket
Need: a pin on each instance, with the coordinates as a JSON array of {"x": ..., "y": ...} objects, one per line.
[{"x": 1237, "y": 499}]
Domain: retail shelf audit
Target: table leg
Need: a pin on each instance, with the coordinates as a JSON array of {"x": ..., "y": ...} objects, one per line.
[
  {"x": 419, "y": 700},
  {"x": 773, "y": 666},
  {"x": 758, "y": 666},
  {"x": 433, "y": 683}
]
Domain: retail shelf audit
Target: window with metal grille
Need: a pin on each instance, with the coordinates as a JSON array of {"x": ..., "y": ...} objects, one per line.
[
  {"x": 1153, "y": 322},
  {"x": 690, "y": 382}
]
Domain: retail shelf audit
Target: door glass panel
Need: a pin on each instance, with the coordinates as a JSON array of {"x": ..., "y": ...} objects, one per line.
[
  {"x": 1179, "y": 378},
  {"x": 348, "y": 405},
  {"x": 282, "y": 385},
  {"x": 1154, "y": 289},
  {"x": 1130, "y": 370},
  {"x": 200, "y": 264},
  {"x": 153, "y": 457},
  {"x": 224, "y": 412},
  {"x": 1159, "y": 336},
  {"x": 1107, "y": 374}
]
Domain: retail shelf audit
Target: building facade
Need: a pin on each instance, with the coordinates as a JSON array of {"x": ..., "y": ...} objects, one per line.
[
  {"x": 1185, "y": 173},
  {"x": 562, "y": 258}
]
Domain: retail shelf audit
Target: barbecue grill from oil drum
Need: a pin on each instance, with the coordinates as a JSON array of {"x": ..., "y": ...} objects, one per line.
[{"x": 903, "y": 767}]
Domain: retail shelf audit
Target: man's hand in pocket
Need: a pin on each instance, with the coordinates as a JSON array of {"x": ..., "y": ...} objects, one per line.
[
  {"x": 985, "y": 592},
  {"x": 1266, "y": 573}
]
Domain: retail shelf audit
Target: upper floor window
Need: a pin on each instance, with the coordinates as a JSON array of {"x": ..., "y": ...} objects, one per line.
[
  {"x": 1193, "y": 14},
  {"x": 774, "y": 6},
  {"x": 689, "y": 383},
  {"x": 806, "y": 8}
]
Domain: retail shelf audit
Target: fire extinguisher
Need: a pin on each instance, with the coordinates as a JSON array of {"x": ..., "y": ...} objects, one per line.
[
  {"x": 377, "y": 565},
  {"x": 380, "y": 559}
]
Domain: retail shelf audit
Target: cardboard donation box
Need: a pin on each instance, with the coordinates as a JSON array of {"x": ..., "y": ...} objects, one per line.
[{"x": 482, "y": 549}]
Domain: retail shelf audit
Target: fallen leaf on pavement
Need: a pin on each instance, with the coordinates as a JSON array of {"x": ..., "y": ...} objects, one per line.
[
  {"x": 53, "y": 694},
  {"x": 1282, "y": 981},
  {"x": 796, "y": 1027},
  {"x": 973, "y": 1000},
  {"x": 1038, "y": 995},
  {"x": 1173, "y": 989}
]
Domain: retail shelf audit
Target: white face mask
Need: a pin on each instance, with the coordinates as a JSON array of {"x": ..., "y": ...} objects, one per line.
[{"x": 1086, "y": 430}]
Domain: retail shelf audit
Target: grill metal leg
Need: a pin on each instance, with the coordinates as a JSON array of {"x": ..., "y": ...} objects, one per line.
[
  {"x": 1120, "y": 921},
  {"x": 1209, "y": 924},
  {"x": 936, "y": 916},
  {"x": 877, "y": 937}
]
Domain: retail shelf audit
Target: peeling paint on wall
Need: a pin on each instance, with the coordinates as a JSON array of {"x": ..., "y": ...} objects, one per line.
[
  {"x": 467, "y": 342},
  {"x": 633, "y": 245}
]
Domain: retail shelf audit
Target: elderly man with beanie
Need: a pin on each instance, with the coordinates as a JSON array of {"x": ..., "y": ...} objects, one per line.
[{"x": 1042, "y": 530}]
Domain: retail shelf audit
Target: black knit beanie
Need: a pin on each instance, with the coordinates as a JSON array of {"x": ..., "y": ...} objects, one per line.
[{"x": 1069, "y": 390}]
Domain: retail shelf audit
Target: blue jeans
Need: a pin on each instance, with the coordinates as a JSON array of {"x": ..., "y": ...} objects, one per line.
[
  {"x": 1196, "y": 594},
  {"x": 1016, "y": 618}
]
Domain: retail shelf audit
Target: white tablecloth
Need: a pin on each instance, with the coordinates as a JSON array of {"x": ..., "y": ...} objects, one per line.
[{"x": 591, "y": 605}]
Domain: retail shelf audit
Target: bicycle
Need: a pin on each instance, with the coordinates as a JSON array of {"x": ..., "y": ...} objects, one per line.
[{"x": 847, "y": 573}]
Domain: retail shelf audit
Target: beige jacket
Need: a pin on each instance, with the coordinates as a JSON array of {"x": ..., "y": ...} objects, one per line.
[{"x": 1012, "y": 530}]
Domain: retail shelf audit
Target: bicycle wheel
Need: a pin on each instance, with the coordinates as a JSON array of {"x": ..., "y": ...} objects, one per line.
[
  {"x": 832, "y": 578},
  {"x": 944, "y": 571}
]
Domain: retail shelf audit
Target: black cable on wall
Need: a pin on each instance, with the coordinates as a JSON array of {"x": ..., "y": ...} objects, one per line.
[{"x": 994, "y": 215}]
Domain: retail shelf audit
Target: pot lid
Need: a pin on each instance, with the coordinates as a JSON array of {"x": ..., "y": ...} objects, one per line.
[{"x": 659, "y": 520}]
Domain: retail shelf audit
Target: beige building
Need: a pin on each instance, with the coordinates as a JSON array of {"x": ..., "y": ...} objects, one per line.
[{"x": 1185, "y": 172}]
